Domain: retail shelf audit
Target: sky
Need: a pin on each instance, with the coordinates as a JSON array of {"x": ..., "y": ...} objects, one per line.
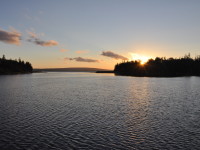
[{"x": 97, "y": 33}]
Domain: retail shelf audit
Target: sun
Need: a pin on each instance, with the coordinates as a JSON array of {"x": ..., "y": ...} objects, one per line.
[{"x": 143, "y": 59}]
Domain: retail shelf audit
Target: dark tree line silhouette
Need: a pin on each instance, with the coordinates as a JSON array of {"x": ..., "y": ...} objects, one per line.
[
  {"x": 14, "y": 66},
  {"x": 161, "y": 67}
]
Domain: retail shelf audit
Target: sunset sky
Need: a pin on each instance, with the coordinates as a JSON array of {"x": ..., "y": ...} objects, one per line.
[{"x": 97, "y": 33}]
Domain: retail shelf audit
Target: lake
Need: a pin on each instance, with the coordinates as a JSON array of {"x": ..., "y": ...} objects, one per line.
[{"x": 98, "y": 111}]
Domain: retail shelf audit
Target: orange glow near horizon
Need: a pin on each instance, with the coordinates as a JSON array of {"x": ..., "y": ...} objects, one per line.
[{"x": 143, "y": 59}]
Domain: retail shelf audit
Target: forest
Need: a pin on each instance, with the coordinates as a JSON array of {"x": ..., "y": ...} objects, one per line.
[
  {"x": 161, "y": 67},
  {"x": 9, "y": 66}
]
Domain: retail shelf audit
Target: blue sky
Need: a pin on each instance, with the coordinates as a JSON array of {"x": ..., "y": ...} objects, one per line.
[{"x": 76, "y": 33}]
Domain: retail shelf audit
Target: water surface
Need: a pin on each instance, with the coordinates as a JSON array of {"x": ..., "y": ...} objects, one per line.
[{"x": 98, "y": 111}]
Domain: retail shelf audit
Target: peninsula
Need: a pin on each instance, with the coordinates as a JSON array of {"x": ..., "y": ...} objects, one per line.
[
  {"x": 160, "y": 67},
  {"x": 14, "y": 66}
]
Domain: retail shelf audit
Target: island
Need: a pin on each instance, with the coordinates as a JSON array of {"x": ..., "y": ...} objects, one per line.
[
  {"x": 160, "y": 67},
  {"x": 9, "y": 66}
]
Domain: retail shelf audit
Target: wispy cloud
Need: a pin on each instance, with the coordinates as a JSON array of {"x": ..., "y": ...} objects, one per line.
[
  {"x": 32, "y": 34},
  {"x": 32, "y": 18},
  {"x": 10, "y": 37},
  {"x": 33, "y": 37},
  {"x": 82, "y": 52},
  {"x": 63, "y": 50},
  {"x": 81, "y": 59},
  {"x": 45, "y": 43},
  {"x": 113, "y": 55}
]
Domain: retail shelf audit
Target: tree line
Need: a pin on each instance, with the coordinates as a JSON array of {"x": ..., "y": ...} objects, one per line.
[
  {"x": 9, "y": 66},
  {"x": 161, "y": 67}
]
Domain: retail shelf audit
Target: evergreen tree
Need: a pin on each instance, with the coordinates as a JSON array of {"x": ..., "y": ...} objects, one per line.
[
  {"x": 14, "y": 66},
  {"x": 161, "y": 67}
]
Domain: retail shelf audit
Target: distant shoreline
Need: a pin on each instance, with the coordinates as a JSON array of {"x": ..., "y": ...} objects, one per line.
[
  {"x": 69, "y": 70},
  {"x": 105, "y": 72}
]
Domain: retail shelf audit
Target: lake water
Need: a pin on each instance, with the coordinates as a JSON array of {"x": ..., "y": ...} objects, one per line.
[{"x": 98, "y": 111}]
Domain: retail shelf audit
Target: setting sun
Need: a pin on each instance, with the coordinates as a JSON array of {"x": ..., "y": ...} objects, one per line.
[{"x": 143, "y": 59}]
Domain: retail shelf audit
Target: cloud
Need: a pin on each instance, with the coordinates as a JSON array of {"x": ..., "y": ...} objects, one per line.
[
  {"x": 33, "y": 37},
  {"x": 80, "y": 59},
  {"x": 113, "y": 55},
  {"x": 81, "y": 52},
  {"x": 63, "y": 50},
  {"x": 32, "y": 34},
  {"x": 45, "y": 43},
  {"x": 11, "y": 37}
]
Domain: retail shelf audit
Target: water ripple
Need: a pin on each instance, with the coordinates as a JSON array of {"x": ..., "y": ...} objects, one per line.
[{"x": 93, "y": 111}]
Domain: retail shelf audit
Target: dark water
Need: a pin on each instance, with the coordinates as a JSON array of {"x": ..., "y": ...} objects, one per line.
[{"x": 98, "y": 111}]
